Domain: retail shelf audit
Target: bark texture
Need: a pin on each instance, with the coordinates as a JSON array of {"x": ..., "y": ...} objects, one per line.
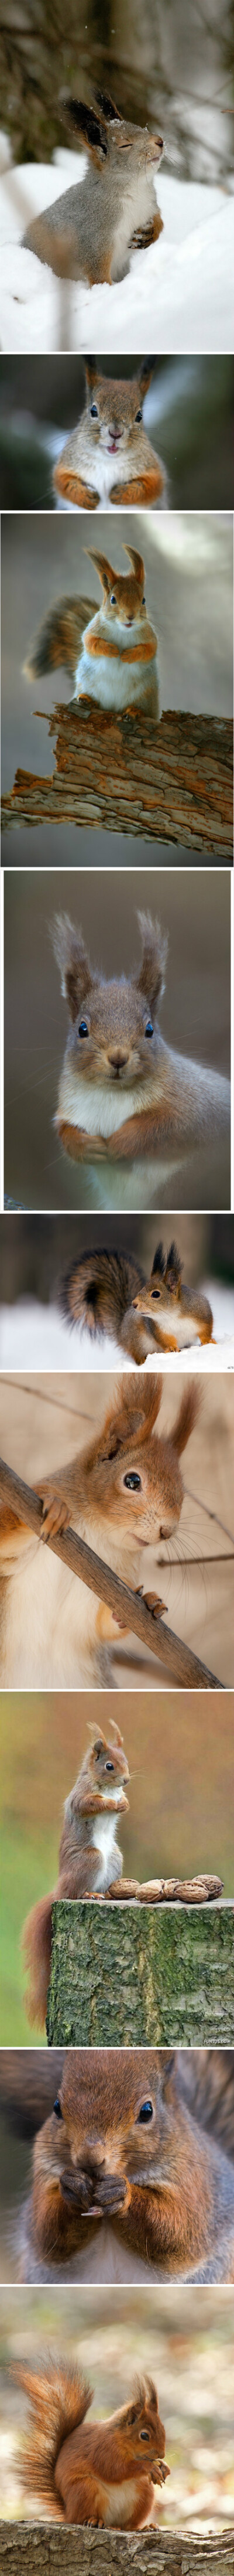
[
  {"x": 170, "y": 782},
  {"x": 124, "y": 1976},
  {"x": 29, "y": 2549}
]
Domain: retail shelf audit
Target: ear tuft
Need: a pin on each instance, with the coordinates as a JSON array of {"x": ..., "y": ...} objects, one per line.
[
  {"x": 115, "y": 1731},
  {"x": 108, "y": 109},
  {"x": 145, "y": 373},
  {"x": 82, "y": 120},
  {"x": 159, "y": 1261},
  {"x": 187, "y": 1416},
  {"x": 173, "y": 1266},
  {"x": 150, "y": 980},
  {"x": 91, "y": 373},
  {"x": 104, "y": 569},
  {"x": 75, "y": 970},
  {"x": 138, "y": 565},
  {"x": 99, "y": 1741},
  {"x": 133, "y": 1416}
]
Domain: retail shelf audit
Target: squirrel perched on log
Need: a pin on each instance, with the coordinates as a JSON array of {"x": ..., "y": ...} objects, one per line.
[
  {"x": 133, "y": 2171},
  {"x": 104, "y": 2474},
  {"x": 90, "y": 1862}
]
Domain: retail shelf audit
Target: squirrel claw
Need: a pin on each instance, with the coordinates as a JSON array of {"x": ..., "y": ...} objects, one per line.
[
  {"x": 152, "y": 1601},
  {"x": 55, "y": 1516}
]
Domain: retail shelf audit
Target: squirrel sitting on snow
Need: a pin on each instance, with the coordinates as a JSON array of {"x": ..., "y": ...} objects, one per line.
[
  {"x": 108, "y": 459},
  {"x": 106, "y": 1293},
  {"x": 91, "y": 231}
]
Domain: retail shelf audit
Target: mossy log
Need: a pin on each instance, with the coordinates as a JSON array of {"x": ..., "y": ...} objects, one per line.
[
  {"x": 169, "y": 782},
  {"x": 123, "y": 1976},
  {"x": 29, "y": 2549}
]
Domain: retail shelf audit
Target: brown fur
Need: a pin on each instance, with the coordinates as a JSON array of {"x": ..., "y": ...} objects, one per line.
[
  {"x": 163, "y": 1289},
  {"x": 185, "y": 1100},
  {"x": 115, "y": 426},
  {"x": 80, "y": 235},
  {"x": 166, "y": 2191},
  {"x": 104, "y": 1764},
  {"x": 71, "y": 2468}
]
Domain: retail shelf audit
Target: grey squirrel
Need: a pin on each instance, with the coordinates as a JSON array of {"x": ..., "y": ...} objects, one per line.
[
  {"x": 91, "y": 231},
  {"x": 123, "y": 1092},
  {"x": 110, "y": 651},
  {"x": 104, "y": 2475},
  {"x": 106, "y": 1292},
  {"x": 134, "y": 2166},
  {"x": 90, "y": 1862},
  {"x": 108, "y": 459}
]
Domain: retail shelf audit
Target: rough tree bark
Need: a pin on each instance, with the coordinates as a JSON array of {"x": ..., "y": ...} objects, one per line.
[
  {"x": 131, "y": 1612},
  {"x": 33, "y": 2550},
  {"x": 124, "y": 1976},
  {"x": 172, "y": 782}
]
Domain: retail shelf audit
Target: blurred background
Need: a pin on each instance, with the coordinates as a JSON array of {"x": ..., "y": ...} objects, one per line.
[
  {"x": 188, "y": 416},
  {"x": 195, "y": 1013},
  {"x": 37, "y": 1252},
  {"x": 183, "y": 2337},
  {"x": 172, "y": 67},
  {"x": 189, "y": 588},
  {"x": 180, "y": 1820}
]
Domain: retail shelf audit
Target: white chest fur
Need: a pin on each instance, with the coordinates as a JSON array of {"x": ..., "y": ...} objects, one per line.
[
  {"x": 100, "y": 1108},
  {"x": 119, "y": 2503},
  {"x": 103, "y": 1834}
]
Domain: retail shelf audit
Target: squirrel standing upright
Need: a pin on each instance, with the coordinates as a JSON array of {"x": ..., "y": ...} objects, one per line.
[
  {"x": 126, "y": 2180},
  {"x": 123, "y": 1093},
  {"x": 92, "y": 229},
  {"x": 106, "y": 1292},
  {"x": 113, "y": 655},
  {"x": 105, "y": 2474},
  {"x": 108, "y": 459}
]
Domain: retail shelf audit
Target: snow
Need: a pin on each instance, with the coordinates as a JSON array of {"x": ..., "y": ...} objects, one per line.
[
  {"x": 177, "y": 297},
  {"x": 34, "y": 1336}
]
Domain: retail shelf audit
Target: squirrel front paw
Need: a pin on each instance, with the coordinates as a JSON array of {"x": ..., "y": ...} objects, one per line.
[
  {"x": 77, "y": 2189},
  {"x": 152, "y": 1601},
  {"x": 56, "y": 1515}
]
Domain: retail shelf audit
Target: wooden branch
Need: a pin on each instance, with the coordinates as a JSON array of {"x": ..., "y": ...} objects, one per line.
[
  {"x": 34, "y": 2549},
  {"x": 136, "y": 1976},
  {"x": 127, "y": 1608},
  {"x": 171, "y": 782}
]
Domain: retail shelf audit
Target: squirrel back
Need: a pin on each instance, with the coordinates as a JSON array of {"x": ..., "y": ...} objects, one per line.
[
  {"x": 108, "y": 459},
  {"x": 89, "y": 232}
]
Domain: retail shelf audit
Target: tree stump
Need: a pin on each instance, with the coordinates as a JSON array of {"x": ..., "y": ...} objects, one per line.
[
  {"x": 33, "y": 2549},
  {"x": 123, "y": 1976},
  {"x": 168, "y": 782}
]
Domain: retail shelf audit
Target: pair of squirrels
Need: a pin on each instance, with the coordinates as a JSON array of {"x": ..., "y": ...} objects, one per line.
[
  {"x": 124, "y": 1094},
  {"x": 133, "y": 2170},
  {"x": 90, "y": 1861},
  {"x": 91, "y": 231},
  {"x": 106, "y": 1293},
  {"x": 123, "y": 1493},
  {"x": 108, "y": 459}
]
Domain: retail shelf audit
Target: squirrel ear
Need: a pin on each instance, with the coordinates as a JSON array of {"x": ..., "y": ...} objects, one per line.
[
  {"x": 173, "y": 1266},
  {"x": 186, "y": 1418},
  {"x": 76, "y": 976},
  {"x": 115, "y": 1731},
  {"x": 138, "y": 565},
  {"x": 150, "y": 980},
  {"x": 91, "y": 373},
  {"x": 159, "y": 1261},
  {"x": 98, "y": 1741},
  {"x": 108, "y": 109},
  {"x": 106, "y": 574},
  {"x": 134, "y": 1415},
  {"x": 83, "y": 121},
  {"x": 146, "y": 371}
]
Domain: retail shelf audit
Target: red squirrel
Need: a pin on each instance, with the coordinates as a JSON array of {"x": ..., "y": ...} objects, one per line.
[
  {"x": 108, "y": 458},
  {"x": 111, "y": 649},
  {"x": 103, "y": 2474},
  {"x": 106, "y": 1292},
  {"x": 90, "y": 1862},
  {"x": 126, "y": 2183}
]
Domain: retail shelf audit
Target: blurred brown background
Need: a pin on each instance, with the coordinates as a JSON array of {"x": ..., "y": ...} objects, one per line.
[
  {"x": 184, "y": 2337},
  {"x": 194, "y": 1016},
  {"x": 181, "y": 1760}
]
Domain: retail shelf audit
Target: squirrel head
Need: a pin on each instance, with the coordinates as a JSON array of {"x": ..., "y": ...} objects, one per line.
[
  {"x": 114, "y": 1034},
  {"x": 107, "y": 136},
  {"x": 113, "y": 2124},
  {"x": 115, "y": 407},
  {"x": 124, "y": 601},
  {"x": 163, "y": 1289},
  {"x": 132, "y": 1477},
  {"x": 104, "y": 1761}
]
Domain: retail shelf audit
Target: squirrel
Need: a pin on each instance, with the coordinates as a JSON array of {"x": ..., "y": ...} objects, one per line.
[
  {"x": 123, "y": 1093},
  {"x": 106, "y": 1293},
  {"x": 125, "y": 2173},
  {"x": 108, "y": 459},
  {"x": 104, "y": 2475},
  {"x": 91, "y": 231},
  {"x": 123, "y": 1492},
  {"x": 112, "y": 658},
  {"x": 90, "y": 1862}
]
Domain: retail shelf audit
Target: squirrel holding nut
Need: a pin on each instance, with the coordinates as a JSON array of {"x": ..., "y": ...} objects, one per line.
[
  {"x": 103, "y": 2474},
  {"x": 108, "y": 458},
  {"x": 133, "y": 2172},
  {"x": 106, "y": 1292},
  {"x": 91, "y": 231},
  {"x": 90, "y": 1862}
]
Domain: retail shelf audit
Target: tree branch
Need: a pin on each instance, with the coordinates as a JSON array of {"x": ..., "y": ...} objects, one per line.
[
  {"x": 184, "y": 1666},
  {"x": 29, "y": 2549},
  {"x": 169, "y": 782}
]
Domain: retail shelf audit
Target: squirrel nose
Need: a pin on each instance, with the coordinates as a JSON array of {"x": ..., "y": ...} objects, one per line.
[
  {"x": 166, "y": 1530},
  {"x": 117, "y": 1057}
]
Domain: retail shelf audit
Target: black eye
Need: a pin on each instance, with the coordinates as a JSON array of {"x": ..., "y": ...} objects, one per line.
[
  {"x": 149, "y": 1029},
  {"x": 83, "y": 1029},
  {"x": 155, "y": 1292},
  {"x": 93, "y": 411},
  {"x": 113, "y": 599},
  {"x": 144, "y": 2437},
  {"x": 143, "y": 601},
  {"x": 138, "y": 416},
  {"x": 146, "y": 2113},
  {"x": 57, "y": 2108},
  {"x": 133, "y": 1481},
  {"x": 109, "y": 1766}
]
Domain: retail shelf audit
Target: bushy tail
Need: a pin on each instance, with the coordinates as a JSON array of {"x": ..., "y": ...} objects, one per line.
[
  {"x": 36, "y": 1945},
  {"x": 59, "y": 2397},
  {"x": 207, "y": 2077},
  {"x": 187, "y": 1416},
  {"x": 59, "y": 638},
  {"x": 98, "y": 1290}
]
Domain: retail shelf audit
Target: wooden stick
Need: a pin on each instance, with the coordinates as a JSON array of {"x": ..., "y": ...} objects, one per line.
[
  {"x": 129, "y": 1610},
  {"x": 168, "y": 782}
]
